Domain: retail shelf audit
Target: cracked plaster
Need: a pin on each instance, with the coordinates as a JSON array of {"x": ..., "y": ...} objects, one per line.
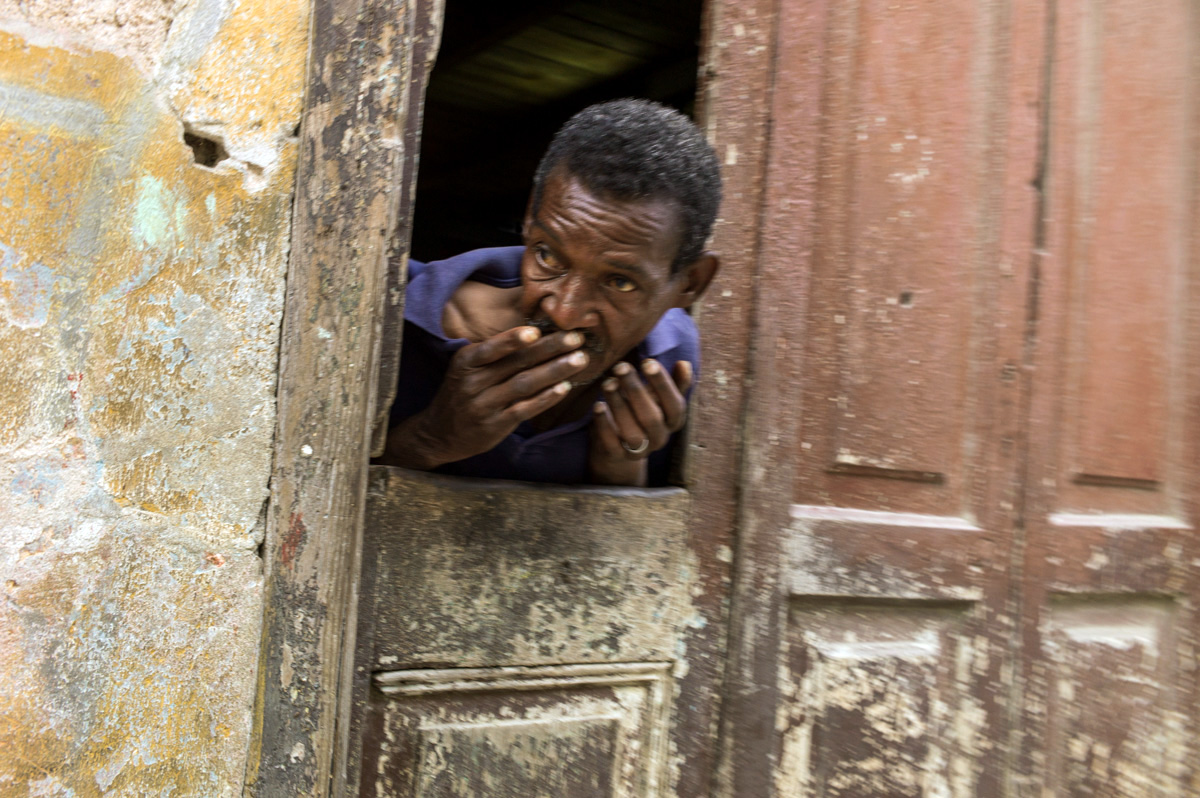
[{"x": 140, "y": 303}]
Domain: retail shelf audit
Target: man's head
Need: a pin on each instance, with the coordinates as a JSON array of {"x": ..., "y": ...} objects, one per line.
[
  {"x": 623, "y": 202},
  {"x": 638, "y": 150}
]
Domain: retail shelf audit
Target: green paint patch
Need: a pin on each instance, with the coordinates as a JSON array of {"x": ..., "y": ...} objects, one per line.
[{"x": 158, "y": 218}]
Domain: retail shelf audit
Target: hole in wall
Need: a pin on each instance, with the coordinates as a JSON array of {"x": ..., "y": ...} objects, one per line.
[
  {"x": 205, "y": 151},
  {"x": 906, "y": 299}
]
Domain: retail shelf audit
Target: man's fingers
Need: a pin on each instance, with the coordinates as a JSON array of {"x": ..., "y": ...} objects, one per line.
[
  {"x": 670, "y": 390},
  {"x": 629, "y": 429},
  {"x": 644, "y": 405},
  {"x": 526, "y": 383},
  {"x": 499, "y": 346},
  {"x": 683, "y": 375},
  {"x": 606, "y": 434},
  {"x": 519, "y": 348},
  {"x": 528, "y": 408},
  {"x": 543, "y": 350}
]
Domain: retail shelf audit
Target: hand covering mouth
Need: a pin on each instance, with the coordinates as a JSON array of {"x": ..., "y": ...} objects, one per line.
[{"x": 591, "y": 342}]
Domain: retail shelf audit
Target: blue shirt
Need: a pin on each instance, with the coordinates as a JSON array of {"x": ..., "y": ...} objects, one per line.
[{"x": 558, "y": 454}]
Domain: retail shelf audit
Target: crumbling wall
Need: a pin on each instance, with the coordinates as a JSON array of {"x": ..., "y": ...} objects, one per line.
[{"x": 147, "y": 153}]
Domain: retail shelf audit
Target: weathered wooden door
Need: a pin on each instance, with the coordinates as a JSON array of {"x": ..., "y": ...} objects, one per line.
[
  {"x": 526, "y": 639},
  {"x": 1109, "y": 593},
  {"x": 950, "y": 410},
  {"x": 967, "y": 559},
  {"x": 873, "y": 617}
]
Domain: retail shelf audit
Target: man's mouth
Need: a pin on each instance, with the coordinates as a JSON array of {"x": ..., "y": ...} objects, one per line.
[{"x": 591, "y": 342}]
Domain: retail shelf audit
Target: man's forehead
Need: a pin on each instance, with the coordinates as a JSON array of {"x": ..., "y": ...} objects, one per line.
[
  {"x": 631, "y": 221},
  {"x": 563, "y": 181}
]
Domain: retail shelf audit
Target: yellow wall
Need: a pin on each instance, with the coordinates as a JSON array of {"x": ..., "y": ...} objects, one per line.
[{"x": 140, "y": 302}]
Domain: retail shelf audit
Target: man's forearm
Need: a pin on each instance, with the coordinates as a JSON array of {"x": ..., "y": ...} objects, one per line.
[{"x": 409, "y": 445}]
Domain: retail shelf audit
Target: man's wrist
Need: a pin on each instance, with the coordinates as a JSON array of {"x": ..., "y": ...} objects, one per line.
[
  {"x": 630, "y": 473},
  {"x": 411, "y": 445}
]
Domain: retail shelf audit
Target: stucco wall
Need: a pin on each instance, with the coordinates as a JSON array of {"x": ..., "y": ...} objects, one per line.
[{"x": 140, "y": 302}]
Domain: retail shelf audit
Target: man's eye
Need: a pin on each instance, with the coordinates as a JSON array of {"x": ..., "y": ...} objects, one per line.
[
  {"x": 622, "y": 284},
  {"x": 546, "y": 259}
]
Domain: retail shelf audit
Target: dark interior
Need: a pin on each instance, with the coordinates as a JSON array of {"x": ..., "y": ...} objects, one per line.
[{"x": 507, "y": 75}]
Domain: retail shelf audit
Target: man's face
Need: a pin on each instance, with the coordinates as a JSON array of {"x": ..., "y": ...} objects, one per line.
[{"x": 599, "y": 266}]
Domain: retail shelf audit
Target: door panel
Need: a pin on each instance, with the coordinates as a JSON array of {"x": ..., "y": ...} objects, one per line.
[
  {"x": 500, "y": 573},
  {"x": 1118, "y": 228},
  {"x": 878, "y": 699},
  {"x": 873, "y": 615},
  {"x": 521, "y": 640},
  {"x": 1114, "y": 726},
  {"x": 544, "y": 732},
  {"x": 901, "y": 217},
  {"x": 1109, "y": 586}
]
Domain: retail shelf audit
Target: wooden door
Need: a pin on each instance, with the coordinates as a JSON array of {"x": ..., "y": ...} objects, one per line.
[
  {"x": 521, "y": 640},
  {"x": 872, "y": 616},
  {"x": 966, "y": 560},
  {"x": 1109, "y": 584}
]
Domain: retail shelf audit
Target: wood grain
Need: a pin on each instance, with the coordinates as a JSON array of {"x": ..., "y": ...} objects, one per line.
[
  {"x": 357, "y": 134},
  {"x": 734, "y": 110}
]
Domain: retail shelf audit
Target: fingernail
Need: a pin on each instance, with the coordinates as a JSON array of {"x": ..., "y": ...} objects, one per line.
[
  {"x": 562, "y": 388},
  {"x": 529, "y": 335},
  {"x": 577, "y": 358},
  {"x": 598, "y": 408},
  {"x": 650, "y": 366},
  {"x": 573, "y": 339},
  {"x": 610, "y": 384},
  {"x": 622, "y": 368}
]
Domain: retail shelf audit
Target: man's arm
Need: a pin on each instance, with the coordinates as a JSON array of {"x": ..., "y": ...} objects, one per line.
[{"x": 489, "y": 388}]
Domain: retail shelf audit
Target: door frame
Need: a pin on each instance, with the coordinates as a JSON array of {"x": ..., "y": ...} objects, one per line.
[
  {"x": 368, "y": 61},
  {"x": 368, "y": 65}
]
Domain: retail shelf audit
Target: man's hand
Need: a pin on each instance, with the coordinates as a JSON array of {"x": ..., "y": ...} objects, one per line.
[
  {"x": 636, "y": 418},
  {"x": 489, "y": 388}
]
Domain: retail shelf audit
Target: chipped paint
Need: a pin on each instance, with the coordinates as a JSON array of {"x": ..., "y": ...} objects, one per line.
[
  {"x": 507, "y": 581},
  {"x": 140, "y": 302},
  {"x": 532, "y": 732},
  {"x": 880, "y": 696},
  {"x": 615, "y": 587}
]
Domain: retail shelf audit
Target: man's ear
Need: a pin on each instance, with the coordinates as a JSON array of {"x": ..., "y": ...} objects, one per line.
[{"x": 695, "y": 277}]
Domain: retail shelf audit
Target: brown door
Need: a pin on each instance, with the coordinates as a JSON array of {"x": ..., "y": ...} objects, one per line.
[
  {"x": 958, "y": 263},
  {"x": 966, "y": 556},
  {"x": 1108, "y": 624}
]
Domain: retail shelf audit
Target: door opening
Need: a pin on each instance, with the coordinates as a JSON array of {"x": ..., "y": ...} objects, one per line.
[{"x": 503, "y": 83}]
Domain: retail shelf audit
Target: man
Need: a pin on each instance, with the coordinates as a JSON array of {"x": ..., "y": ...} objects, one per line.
[{"x": 569, "y": 359}]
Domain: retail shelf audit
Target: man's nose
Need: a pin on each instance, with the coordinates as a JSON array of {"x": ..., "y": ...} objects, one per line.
[{"x": 573, "y": 306}]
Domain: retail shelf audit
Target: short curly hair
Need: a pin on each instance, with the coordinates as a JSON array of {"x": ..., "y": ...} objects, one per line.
[{"x": 635, "y": 149}]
